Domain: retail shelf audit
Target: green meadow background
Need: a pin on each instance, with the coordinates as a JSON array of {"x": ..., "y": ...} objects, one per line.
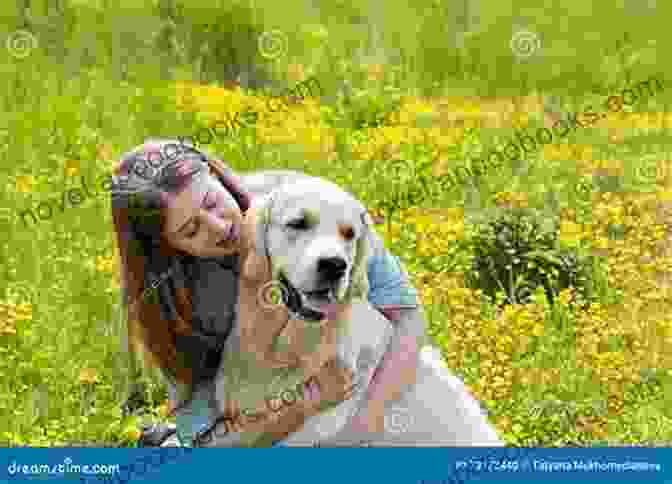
[{"x": 422, "y": 82}]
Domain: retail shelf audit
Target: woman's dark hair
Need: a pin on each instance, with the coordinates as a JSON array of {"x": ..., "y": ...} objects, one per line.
[{"x": 143, "y": 182}]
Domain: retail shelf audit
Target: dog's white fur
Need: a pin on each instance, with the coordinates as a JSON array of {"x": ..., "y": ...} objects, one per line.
[
  {"x": 301, "y": 250},
  {"x": 438, "y": 409}
]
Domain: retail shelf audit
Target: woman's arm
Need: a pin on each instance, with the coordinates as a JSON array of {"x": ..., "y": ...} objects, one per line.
[
  {"x": 395, "y": 373},
  {"x": 391, "y": 292}
]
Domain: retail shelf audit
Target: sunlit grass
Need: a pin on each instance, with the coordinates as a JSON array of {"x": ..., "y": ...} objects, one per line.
[{"x": 548, "y": 376}]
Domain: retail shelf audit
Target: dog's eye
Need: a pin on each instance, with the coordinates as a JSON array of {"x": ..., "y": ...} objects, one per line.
[
  {"x": 348, "y": 233},
  {"x": 300, "y": 224}
]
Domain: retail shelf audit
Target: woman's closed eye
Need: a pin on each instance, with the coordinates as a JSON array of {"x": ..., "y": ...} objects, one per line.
[{"x": 208, "y": 205}]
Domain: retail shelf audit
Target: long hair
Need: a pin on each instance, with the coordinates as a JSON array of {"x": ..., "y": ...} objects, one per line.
[{"x": 145, "y": 179}]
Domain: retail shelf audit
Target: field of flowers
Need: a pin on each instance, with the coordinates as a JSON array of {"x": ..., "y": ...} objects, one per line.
[
  {"x": 599, "y": 374},
  {"x": 547, "y": 376}
]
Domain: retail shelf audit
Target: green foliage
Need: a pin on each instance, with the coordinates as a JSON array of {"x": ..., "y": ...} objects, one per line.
[
  {"x": 515, "y": 253},
  {"x": 221, "y": 40},
  {"x": 368, "y": 108},
  {"x": 102, "y": 73}
]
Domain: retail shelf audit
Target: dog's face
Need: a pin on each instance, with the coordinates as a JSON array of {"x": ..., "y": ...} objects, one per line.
[{"x": 311, "y": 235}]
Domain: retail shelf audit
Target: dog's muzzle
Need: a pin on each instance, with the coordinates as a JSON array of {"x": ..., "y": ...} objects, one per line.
[
  {"x": 331, "y": 269},
  {"x": 297, "y": 304}
]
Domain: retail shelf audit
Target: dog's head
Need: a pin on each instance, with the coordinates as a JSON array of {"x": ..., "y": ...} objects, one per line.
[{"x": 314, "y": 235}]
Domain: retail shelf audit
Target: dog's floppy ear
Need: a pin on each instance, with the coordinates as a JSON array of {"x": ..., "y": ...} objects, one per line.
[{"x": 359, "y": 280}]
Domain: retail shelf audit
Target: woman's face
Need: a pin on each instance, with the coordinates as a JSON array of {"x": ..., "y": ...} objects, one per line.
[{"x": 203, "y": 219}]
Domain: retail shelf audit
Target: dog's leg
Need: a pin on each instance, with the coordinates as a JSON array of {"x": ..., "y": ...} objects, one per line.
[{"x": 362, "y": 340}]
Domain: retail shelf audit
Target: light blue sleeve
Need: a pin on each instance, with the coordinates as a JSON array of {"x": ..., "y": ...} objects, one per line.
[
  {"x": 388, "y": 282},
  {"x": 393, "y": 295}
]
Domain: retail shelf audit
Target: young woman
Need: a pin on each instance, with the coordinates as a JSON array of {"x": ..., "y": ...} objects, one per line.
[{"x": 177, "y": 214}]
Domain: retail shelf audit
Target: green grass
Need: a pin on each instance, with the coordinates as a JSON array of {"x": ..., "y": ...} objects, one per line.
[{"x": 83, "y": 86}]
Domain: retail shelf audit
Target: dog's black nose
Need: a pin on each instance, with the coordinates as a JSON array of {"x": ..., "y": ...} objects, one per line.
[{"x": 331, "y": 268}]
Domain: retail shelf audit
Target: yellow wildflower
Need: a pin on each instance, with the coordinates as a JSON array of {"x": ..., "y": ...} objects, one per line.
[
  {"x": 7, "y": 319},
  {"x": 88, "y": 375},
  {"x": 163, "y": 409},
  {"x": 24, "y": 183},
  {"x": 570, "y": 232},
  {"x": 132, "y": 433},
  {"x": 105, "y": 263},
  {"x": 538, "y": 329},
  {"x": 24, "y": 312},
  {"x": 71, "y": 168},
  {"x": 105, "y": 155},
  {"x": 375, "y": 72},
  {"x": 296, "y": 72}
]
